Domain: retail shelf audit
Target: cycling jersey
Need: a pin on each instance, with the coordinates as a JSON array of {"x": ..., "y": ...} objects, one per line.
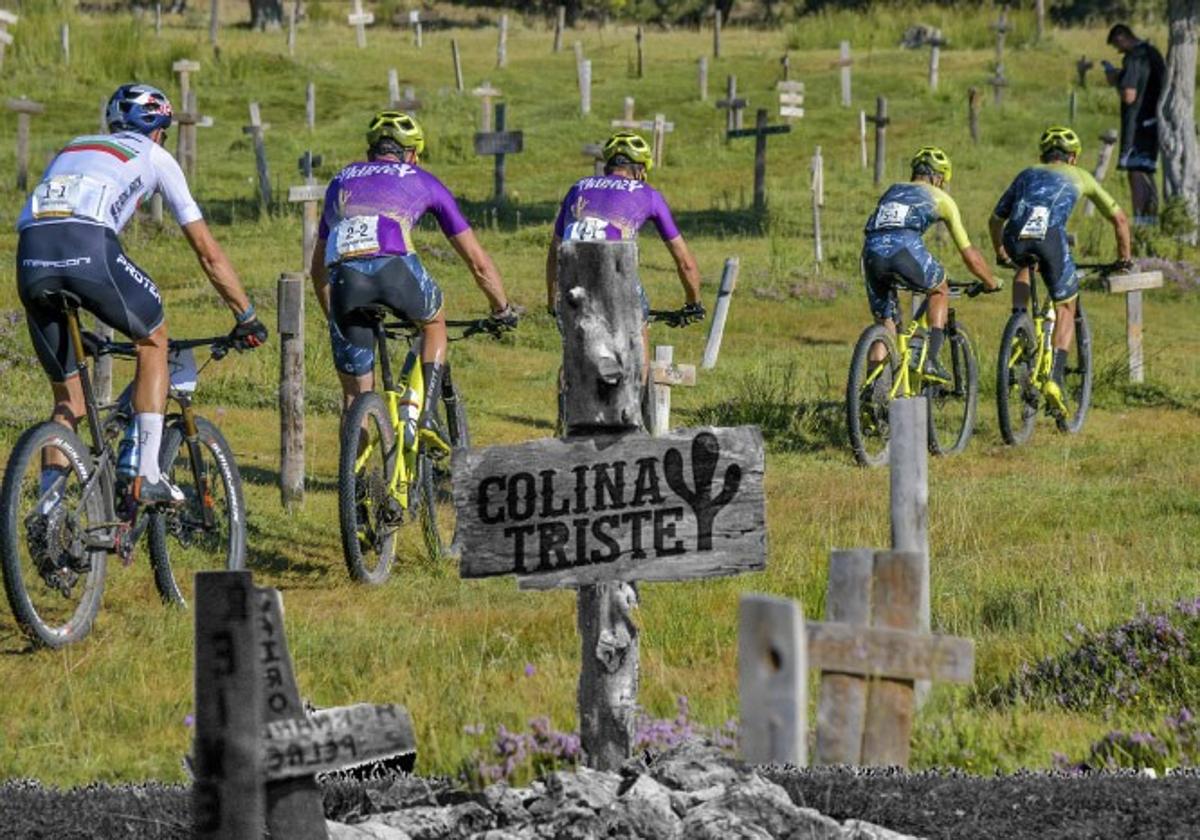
[
  {"x": 907, "y": 210},
  {"x": 612, "y": 207},
  {"x": 371, "y": 209},
  {"x": 101, "y": 179}
]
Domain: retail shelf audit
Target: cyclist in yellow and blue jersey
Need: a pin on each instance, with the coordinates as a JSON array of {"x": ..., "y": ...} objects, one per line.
[
  {"x": 894, "y": 251},
  {"x": 1028, "y": 227}
]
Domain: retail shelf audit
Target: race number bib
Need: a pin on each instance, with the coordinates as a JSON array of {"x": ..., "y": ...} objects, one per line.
[
  {"x": 62, "y": 196},
  {"x": 587, "y": 228},
  {"x": 1036, "y": 225},
  {"x": 891, "y": 215},
  {"x": 357, "y": 236}
]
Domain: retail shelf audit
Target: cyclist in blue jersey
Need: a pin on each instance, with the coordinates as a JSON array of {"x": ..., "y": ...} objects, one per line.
[
  {"x": 894, "y": 252},
  {"x": 1028, "y": 227}
]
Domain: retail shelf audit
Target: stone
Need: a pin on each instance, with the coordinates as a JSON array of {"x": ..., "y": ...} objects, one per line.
[
  {"x": 646, "y": 810},
  {"x": 862, "y": 830},
  {"x": 364, "y": 831},
  {"x": 428, "y": 823},
  {"x": 767, "y": 805},
  {"x": 524, "y": 833},
  {"x": 694, "y": 766},
  {"x": 508, "y": 804},
  {"x": 584, "y": 787},
  {"x": 683, "y": 801},
  {"x": 717, "y": 824}
]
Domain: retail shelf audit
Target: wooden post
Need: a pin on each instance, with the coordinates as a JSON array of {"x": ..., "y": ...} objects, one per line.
[
  {"x": 359, "y": 19},
  {"x": 1071, "y": 107},
  {"x": 717, "y": 33},
  {"x": 158, "y": 18},
  {"x": 102, "y": 372},
  {"x": 659, "y": 139},
  {"x": 702, "y": 72},
  {"x": 844, "y": 62},
  {"x": 486, "y": 93},
  {"x": 64, "y": 35},
  {"x": 731, "y": 103},
  {"x": 716, "y": 331},
  {"x": 1107, "y": 141},
  {"x": 585, "y": 87},
  {"x": 414, "y": 17},
  {"x": 908, "y": 459},
  {"x": 498, "y": 144},
  {"x": 255, "y": 130},
  {"x": 772, "y": 681},
  {"x": 627, "y": 109},
  {"x": 818, "y": 198},
  {"x": 502, "y": 43},
  {"x": 311, "y": 195},
  {"x": 785, "y": 67},
  {"x": 578, "y": 46},
  {"x": 227, "y": 795},
  {"x": 214, "y": 22},
  {"x": 189, "y": 119},
  {"x": 1132, "y": 286},
  {"x": 998, "y": 83},
  {"x": 310, "y": 106},
  {"x": 862, "y": 137},
  {"x": 935, "y": 51},
  {"x": 291, "y": 389},
  {"x": 7, "y": 19},
  {"x": 458, "y": 76},
  {"x": 499, "y": 169},
  {"x": 1040, "y": 11},
  {"x": 639, "y": 37},
  {"x": 760, "y": 132},
  {"x": 1082, "y": 66},
  {"x": 881, "y": 121},
  {"x": 842, "y": 703},
  {"x": 293, "y": 12},
  {"x": 661, "y": 413},
  {"x": 560, "y": 23},
  {"x": 1001, "y": 27},
  {"x": 393, "y": 86},
  {"x": 974, "y": 102},
  {"x": 24, "y": 108}
]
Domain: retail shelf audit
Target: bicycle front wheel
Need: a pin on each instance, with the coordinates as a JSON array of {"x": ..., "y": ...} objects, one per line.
[
  {"x": 1017, "y": 397},
  {"x": 368, "y": 515},
  {"x": 437, "y": 508},
  {"x": 874, "y": 366},
  {"x": 1077, "y": 376},
  {"x": 51, "y": 521},
  {"x": 208, "y": 531},
  {"x": 952, "y": 406}
]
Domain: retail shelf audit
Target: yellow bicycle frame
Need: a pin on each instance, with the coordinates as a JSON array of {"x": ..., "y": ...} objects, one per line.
[
  {"x": 411, "y": 379},
  {"x": 906, "y": 384}
]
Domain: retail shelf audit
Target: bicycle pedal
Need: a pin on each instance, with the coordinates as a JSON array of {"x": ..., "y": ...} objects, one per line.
[{"x": 123, "y": 542}]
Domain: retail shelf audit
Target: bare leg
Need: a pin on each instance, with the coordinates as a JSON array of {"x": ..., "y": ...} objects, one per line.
[
  {"x": 434, "y": 338},
  {"x": 353, "y": 385},
  {"x": 68, "y": 409},
  {"x": 1064, "y": 325},
  {"x": 878, "y": 351},
  {"x": 939, "y": 305},
  {"x": 1020, "y": 290},
  {"x": 150, "y": 378}
]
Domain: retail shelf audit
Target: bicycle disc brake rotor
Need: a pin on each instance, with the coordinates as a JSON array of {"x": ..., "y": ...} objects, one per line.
[{"x": 56, "y": 550}]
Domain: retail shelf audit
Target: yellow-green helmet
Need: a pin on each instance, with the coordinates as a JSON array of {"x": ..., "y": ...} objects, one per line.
[
  {"x": 398, "y": 126},
  {"x": 935, "y": 159},
  {"x": 629, "y": 145},
  {"x": 1059, "y": 137}
]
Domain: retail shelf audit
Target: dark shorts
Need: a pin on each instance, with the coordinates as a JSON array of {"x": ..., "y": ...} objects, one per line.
[
  {"x": 87, "y": 261},
  {"x": 911, "y": 267},
  {"x": 1052, "y": 256},
  {"x": 399, "y": 283},
  {"x": 1140, "y": 155}
]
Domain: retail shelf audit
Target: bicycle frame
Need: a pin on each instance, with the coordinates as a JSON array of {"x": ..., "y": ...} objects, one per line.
[
  {"x": 905, "y": 384},
  {"x": 1043, "y": 361}
]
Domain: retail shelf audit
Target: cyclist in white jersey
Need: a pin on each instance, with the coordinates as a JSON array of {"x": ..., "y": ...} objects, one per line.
[{"x": 68, "y": 243}]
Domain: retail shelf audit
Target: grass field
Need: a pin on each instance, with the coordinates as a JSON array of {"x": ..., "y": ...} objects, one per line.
[{"x": 1026, "y": 544}]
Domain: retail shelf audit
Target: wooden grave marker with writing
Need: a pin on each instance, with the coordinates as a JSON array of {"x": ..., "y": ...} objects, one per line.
[
  {"x": 791, "y": 100},
  {"x": 665, "y": 375}
]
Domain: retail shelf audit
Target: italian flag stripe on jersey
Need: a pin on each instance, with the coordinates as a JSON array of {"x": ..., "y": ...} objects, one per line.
[{"x": 122, "y": 153}]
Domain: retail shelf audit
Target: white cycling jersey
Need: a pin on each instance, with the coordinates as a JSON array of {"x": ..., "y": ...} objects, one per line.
[{"x": 102, "y": 178}]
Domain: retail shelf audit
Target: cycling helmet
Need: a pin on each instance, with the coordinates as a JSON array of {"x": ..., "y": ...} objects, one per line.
[
  {"x": 140, "y": 108},
  {"x": 1059, "y": 137},
  {"x": 631, "y": 146},
  {"x": 397, "y": 126},
  {"x": 934, "y": 158}
]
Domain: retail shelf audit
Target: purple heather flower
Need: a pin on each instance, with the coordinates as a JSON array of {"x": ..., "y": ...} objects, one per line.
[{"x": 529, "y": 669}]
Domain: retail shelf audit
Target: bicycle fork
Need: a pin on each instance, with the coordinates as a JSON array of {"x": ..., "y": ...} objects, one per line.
[{"x": 191, "y": 439}]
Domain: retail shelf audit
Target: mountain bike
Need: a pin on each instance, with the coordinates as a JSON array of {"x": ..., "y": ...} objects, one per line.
[
  {"x": 58, "y": 526},
  {"x": 897, "y": 371},
  {"x": 1025, "y": 361},
  {"x": 389, "y": 476}
]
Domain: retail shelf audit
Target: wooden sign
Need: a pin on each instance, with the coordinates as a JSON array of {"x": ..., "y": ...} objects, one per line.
[
  {"x": 1132, "y": 286},
  {"x": 574, "y": 512},
  {"x": 336, "y": 739},
  {"x": 791, "y": 99}
]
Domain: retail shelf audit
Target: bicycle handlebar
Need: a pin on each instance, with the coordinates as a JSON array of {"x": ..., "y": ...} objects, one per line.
[
  {"x": 219, "y": 344},
  {"x": 672, "y": 317},
  {"x": 469, "y": 327}
]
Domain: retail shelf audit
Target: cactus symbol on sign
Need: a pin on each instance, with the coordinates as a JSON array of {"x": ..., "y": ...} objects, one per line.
[{"x": 705, "y": 453}]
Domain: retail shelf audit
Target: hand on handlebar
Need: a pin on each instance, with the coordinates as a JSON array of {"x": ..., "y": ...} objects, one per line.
[
  {"x": 1120, "y": 267},
  {"x": 691, "y": 313},
  {"x": 506, "y": 318},
  {"x": 249, "y": 334}
]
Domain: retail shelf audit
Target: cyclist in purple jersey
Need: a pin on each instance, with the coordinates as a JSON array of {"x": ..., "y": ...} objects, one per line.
[
  {"x": 364, "y": 257},
  {"x": 615, "y": 206}
]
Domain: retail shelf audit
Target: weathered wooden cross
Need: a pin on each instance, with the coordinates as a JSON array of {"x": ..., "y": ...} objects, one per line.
[
  {"x": 499, "y": 143},
  {"x": 256, "y": 751},
  {"x": 1108, "y": 141},
  {"x": 844, "y": 63},
  {"x": 658, "y": 126},
  {"x": 817, "y": 170},
  {"x": 187, "y": 148},
  {"x": 609, "y": 505},
  {"x": 454, "y": 56},
  {"x": 974, "y": 103},
  {"x": 360, "y": 20},
  {"x": 732, "y": 105},
  {"x": 998, "y": 83},
  {"x": 7, "y": 19},
  {"x": 791, "y": 100},
  {"x": 584, "y": 71},
  {"x": 255, "y": 130},
  {"x": 935, "y": 50},
  {"x": 716, "y": 329},
  {"x": 486, "y": 93},
  {"x": 595, "y": 153},
  {"x": 25, "y": 109},
  {"x": 760, "y": 132},
  {"x": 406, "y": 102},
  {"x": 881, "y": 121},
  {"x": 311, "y": 194},
  {"x": 502, "y": 43},
  {"x": 716, "y": 33},
  {"x": 1132, "y": 286},
  {"x": 665, "y": 375},
  {"x": 1082, "y": 66}
]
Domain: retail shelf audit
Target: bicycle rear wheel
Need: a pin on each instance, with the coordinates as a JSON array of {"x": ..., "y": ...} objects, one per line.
[
  {"x": 437, "y": 509},
  {"x": 181, "y": 541},
  {"x": 1077, "y": 375},
  {"x": 867, "y": 395},
  {"x": 1017, "y": 397},
  {"x": 952, "y": 406},
  {"x": 366, "y": 510},
  {"x": 54, "y": 581}
]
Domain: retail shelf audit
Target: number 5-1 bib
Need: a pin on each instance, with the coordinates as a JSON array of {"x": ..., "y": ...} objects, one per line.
[{"x": 357, "y": 236}]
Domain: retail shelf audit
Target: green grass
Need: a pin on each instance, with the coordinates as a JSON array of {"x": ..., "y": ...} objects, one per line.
[{"x": 1026, "y": 543}]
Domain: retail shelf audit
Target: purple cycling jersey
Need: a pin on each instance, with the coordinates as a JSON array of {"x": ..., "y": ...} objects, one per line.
[
  {"x": 610, "y": 207},
  {"x": 371, "y": 209}
]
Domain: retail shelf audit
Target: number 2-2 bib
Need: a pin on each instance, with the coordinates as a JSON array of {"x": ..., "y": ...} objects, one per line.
[{"x": 357, "y": 236}]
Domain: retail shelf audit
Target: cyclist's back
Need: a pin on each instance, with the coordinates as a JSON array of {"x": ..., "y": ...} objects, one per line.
[
  {"x": 903, "y": 214},
  {"x": 612, "y": 207}
]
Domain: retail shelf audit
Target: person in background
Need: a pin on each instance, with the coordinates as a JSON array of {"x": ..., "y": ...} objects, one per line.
[{"x": 1139, "y": 82}]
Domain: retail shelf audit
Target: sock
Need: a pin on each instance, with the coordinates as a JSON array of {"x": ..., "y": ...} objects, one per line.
[
  {"x": 149, "y": 439},
  {"x": 936, "y": 336},
  {"x": 50, "y": 476},
  {"x": 432, "y": 373},
  {"x": 1060, "y": 364}
]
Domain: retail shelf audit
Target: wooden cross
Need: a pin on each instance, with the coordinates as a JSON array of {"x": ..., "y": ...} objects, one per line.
[
  {"x": 293, "y": 13},
  {"x": 414, "y": 20},
  {"x": 785, "y": 66},
  {"x": 935, "y": 47},
  {"x": 584, "y": 70},
  {"x": 791, "y": 100},
  {"x": 502, "y": 43},
  {"x": 1082, "y": 66},
  {"x": 881, "y": 120},
  {"x": 310, "y": 106},
  {"x": 716, "y": 329},
  {"x": 7, "y": 19},
  {"x": 311, "y": 194},
  {"x": 595, "y": 153},
  {"x": 189, "y": 120},
  {"x": 844, "y": 62},
  {"x": 639, "y": 38},
  {"x": 255, "y": 130},
  {"x": 817, "y": 169},
  {"x": 659, "y": 126},
  {"x": 665, "y": 375},
  {"x": 716, "y": 33},
  {"x": 862, "y": 137},
  {"x": 499, "y": 143},
  {"x": 732, "y": 105},
  {"x": 1107, "y": 141},
  {"x": 998, "y": 83},
  {"x": 1001, "y": 27},
  {"x": 1132, "y": 285},
  {"x": 25, "y": 109},
  {"x": 360, "y": 20},
  {"x": 759, "y": 133},
  {"x": 184, "y": 68},
  {"x": 486, "y": 93}
]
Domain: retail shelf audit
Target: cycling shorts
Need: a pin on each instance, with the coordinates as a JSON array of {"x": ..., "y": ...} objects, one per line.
[
  {"x": 86, "y": 260},
  {"x": 399, "y": 283},
  {"x": 1052, "y": 256},
  {"x": 885, "y": 268}
]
